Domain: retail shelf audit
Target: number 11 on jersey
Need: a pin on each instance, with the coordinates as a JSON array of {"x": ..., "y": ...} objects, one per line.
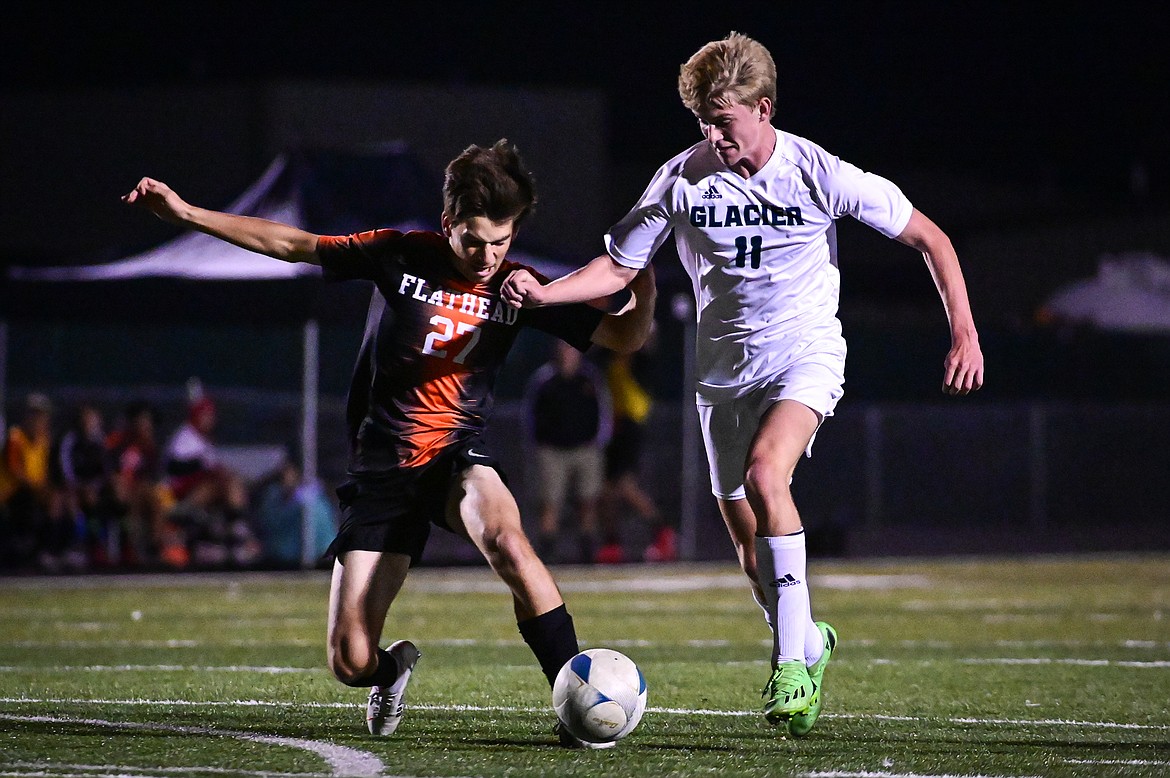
[{"x": 741, "y": 246}]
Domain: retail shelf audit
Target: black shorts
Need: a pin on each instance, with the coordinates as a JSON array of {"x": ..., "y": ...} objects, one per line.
[
  {"x": 623, "y": 453},
  {"x": 393, "y": 511}
]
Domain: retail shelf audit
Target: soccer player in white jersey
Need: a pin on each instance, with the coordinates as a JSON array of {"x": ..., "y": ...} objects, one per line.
[{"x": 752, "y": 209}]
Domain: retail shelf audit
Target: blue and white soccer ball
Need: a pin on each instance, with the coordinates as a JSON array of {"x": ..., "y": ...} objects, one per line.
[{"x": 600, "y": 695}]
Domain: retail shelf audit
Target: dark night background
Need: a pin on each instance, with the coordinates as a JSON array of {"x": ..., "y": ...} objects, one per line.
[
  {"x": 1035, "y": 134},
  {"x": 992, "y": 117},
  {"x": 1026, "y": 94}
]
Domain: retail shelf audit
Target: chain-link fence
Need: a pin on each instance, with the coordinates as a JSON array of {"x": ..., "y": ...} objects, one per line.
[{"x": 958, "y": 476}]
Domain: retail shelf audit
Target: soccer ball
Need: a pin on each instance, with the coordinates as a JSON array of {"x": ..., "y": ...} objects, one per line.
[{"x": 599, "y": 695}]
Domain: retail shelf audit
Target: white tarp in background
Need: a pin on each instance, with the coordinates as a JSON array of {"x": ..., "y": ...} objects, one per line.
[
  {"x": 198, "y": 256},
  {"x": 1130, "y": 293}
]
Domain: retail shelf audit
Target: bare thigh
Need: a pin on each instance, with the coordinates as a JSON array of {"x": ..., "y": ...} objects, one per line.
[
  {"x": 783, "y": 436},
  {"x": 482, "y": 510}
]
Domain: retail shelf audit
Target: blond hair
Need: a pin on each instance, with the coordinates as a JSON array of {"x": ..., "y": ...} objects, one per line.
[{"x": 735, "y": 70}]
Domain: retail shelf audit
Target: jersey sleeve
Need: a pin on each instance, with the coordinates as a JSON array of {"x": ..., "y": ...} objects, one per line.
[
  {"x": 574, "y": 323},
  {"x": 633, "y": 240},
  {"x": 356, "y": 256},
  {"x": 847, "y": 190}
]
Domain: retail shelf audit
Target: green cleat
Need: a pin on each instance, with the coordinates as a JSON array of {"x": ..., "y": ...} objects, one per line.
[
  {"x": 802, "y": 723},
  {"x": 788, "y": 692}
]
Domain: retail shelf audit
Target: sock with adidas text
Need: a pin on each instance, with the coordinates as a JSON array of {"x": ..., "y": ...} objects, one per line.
[{"x": 780, "y": 567}]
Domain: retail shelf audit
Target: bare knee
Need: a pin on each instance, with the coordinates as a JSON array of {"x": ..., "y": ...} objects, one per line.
[
  {"x": 507, "y": 549},
  {"x": 764, "y": 480}
]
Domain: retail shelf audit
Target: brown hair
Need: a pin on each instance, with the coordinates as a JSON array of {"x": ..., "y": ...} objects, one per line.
[
  {"x": 488, "y": 182},
  {"x": 735, "y": 70}
]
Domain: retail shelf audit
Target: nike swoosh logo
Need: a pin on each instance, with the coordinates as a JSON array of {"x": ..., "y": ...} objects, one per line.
[{"x": 474, "y": 453}]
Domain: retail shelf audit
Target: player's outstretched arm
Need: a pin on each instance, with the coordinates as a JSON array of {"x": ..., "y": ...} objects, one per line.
[
  {"x": 600, "y": 278},
  {"x": 963, "y": 369},
  {"x": 280, "y": 241},
  {"x": 627, "y": 330}
]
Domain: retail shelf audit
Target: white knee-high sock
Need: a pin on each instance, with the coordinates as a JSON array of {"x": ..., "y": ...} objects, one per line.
[
  {"x": 764, "y": 607},
  {"x": 814, "y": 643},
  {"x": 780, "y": 568}
]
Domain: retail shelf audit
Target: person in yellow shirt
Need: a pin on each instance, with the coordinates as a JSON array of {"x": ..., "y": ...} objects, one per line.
[
  {"x": 24, "y": 478},
  {"x": 632, "y": 404}
]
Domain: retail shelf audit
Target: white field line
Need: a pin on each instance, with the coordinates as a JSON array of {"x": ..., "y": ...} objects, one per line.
[
  {"x": 170, "y": 643},
  {"x": 110, "y": 773},
  {"x": 976, "y": 604},
  {"x": 1069, "y": 723},
  {"x": 950, "y": 644},
  {"x": 1124, "y": 762},
  {"x": 482, "y": 581},
  {"x": 159, "y": 668},
  {"x": 883, "y": 774},
  {"x": 179, "y": 643},
  {"x": 235, "y": 621},
  {"x": 874, "y": 661},
  {"x": 211, "y": 623},
  {"x": 54, "y": 768},
  {"x": 1066, "y": 661},
  {"x": 342, "y": 760},
  {"x": 669, "y": 583},
  {"x": 132, "y": 772}
]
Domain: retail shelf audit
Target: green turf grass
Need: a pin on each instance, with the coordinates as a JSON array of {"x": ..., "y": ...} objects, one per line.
[{"x": 998, "y": 667}]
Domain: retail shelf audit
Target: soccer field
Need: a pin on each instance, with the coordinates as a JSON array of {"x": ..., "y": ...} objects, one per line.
[{"x": 1045, "y": 666}]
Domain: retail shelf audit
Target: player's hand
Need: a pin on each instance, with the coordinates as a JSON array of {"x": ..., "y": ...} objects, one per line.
[
  {"x": 963, "y": 369},
  {"x": 159, "y": 199},
  {"x": 521, "y": 289}
]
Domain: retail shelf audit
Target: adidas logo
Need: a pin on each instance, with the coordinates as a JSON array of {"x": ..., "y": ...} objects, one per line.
[
  {"x": 711, "y": 194},
  {"x": 787, "y": 580}
]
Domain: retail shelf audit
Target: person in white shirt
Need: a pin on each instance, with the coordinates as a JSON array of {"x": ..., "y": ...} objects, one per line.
[{"x": 752, "y": 209}]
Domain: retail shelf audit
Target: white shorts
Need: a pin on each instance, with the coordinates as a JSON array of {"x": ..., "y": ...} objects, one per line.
[{"x": 730, "y": 427}]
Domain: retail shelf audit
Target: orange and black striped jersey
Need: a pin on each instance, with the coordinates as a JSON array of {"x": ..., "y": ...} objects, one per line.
[{"x": 433, "y": 346}]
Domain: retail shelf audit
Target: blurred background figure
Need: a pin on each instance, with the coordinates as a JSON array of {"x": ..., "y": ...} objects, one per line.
[
  {"x": 623, "y": 491},
  {"x": 212, "y": 500},
  {"x": 25, "y": 488},
  {"x": 82, "y": 474},
  {"x": 144, "y": 498},
  {"x": 285, "y": 502},
  {"x": 567, "y": 410}
]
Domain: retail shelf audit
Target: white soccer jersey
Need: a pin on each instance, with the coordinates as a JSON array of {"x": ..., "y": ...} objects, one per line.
[{"x": 760, "y": 252}]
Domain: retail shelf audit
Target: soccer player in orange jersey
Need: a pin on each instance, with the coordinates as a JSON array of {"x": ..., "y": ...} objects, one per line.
[{"x": 437, "y": 335}]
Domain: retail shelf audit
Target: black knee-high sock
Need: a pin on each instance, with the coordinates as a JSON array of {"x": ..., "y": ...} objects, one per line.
[
  {"x": 384, "y": 674},
  {"x": 552, "y": 638}
]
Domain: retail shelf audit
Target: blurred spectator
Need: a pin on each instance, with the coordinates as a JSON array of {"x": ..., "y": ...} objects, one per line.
[
  {"x": 83, "y": 491},
  {"x": 139, "y": 488},
  {"x": 24, "y": 481},
  {"x": 632, "y": 404},
  {"x": 568, "y": 415},
  {"x": 285, "y": 503},
  {"x": 212, "y": 500}
]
